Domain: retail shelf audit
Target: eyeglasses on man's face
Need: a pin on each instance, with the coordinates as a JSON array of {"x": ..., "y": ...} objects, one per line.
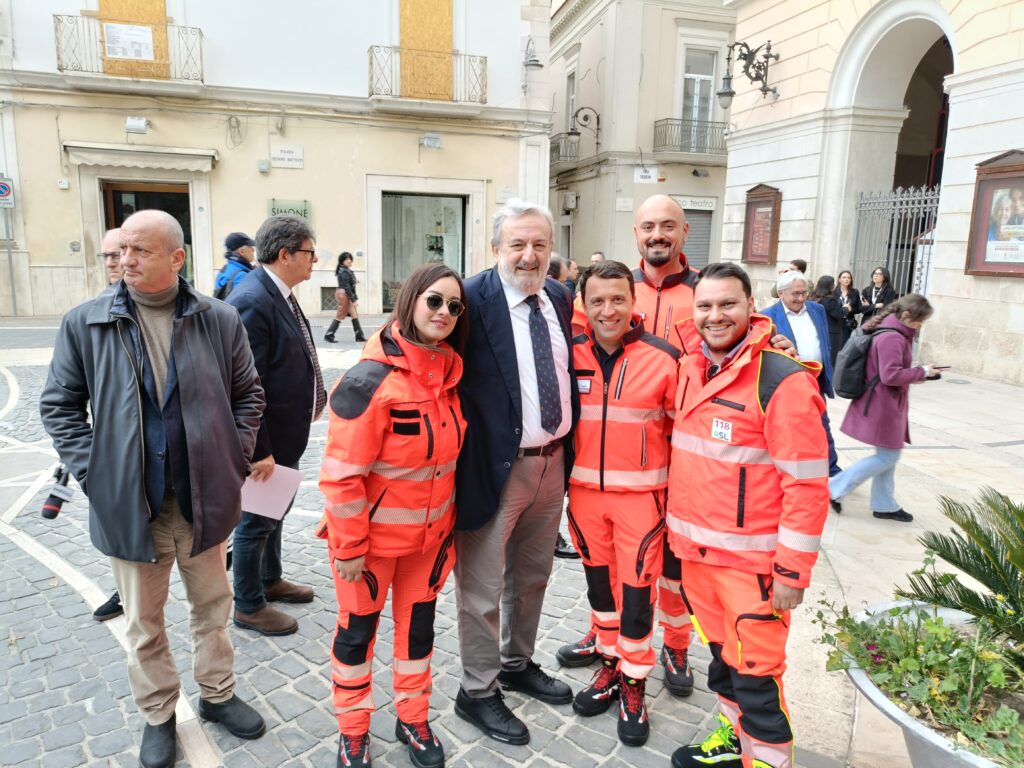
[
  {"x": 110, "y": 256},
  {"x": 310, "y": 251},
  {"x": 435, "y": 301}
]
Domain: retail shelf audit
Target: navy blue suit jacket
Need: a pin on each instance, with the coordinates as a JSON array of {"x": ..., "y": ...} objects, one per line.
[
  {"x": 492, "y": 400},
  {"x": 283, "y": 363},
  {"x": 777, "y": 312}
]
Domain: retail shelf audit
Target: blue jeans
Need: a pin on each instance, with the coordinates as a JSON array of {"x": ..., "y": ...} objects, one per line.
[
  {"x": 833, "y": 457},
  {"x": 881, "y": 469},
  {"x": 256, "y": 558}
]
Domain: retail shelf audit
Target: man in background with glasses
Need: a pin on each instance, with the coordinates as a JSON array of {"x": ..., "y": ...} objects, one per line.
[{"x": 286, "y": 360}]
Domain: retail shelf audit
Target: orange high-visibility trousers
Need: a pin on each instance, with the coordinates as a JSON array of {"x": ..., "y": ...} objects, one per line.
[
  {"x": 414, "y": 581},
  {"x": 732, "y": 611},
  {"x": 620, "y": 537},
  {"x": 673, "y": 616}
]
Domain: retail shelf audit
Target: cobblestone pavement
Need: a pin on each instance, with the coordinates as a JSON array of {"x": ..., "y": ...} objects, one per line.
[{"x": 65, "y": 700}]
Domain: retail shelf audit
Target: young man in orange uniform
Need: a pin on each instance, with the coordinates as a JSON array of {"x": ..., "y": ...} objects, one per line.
[
  {"x": 748, "y": 498},
  {"x": 627, "y": 381},
  {"x": 663, "y": 295}
]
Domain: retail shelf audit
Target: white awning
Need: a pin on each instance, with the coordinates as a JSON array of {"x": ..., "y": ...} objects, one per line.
[{"x": 139, "y": 156}]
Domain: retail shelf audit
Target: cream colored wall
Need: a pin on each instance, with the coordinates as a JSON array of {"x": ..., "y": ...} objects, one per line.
[{"x": 339, "y": 154}]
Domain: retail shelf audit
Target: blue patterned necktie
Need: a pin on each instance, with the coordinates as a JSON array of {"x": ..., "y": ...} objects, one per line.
[
  {"x": 321, "y": 394},
  {"x": 544, "y": 362}
]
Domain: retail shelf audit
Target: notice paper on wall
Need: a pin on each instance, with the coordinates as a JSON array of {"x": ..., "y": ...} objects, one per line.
[{"x": 271, "y": 497}]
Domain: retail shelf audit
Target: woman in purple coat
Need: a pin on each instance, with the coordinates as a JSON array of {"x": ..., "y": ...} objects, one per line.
[{"x": 879, "y": 417}]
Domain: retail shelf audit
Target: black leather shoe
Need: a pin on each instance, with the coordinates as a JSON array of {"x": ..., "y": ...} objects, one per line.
[
  {"x": 239, "y": 718},
  {"x": 158, "y": 748},
  {"x": 899, "y": 516},
  {"x": 565, "y": 550},
  {"x": 534, "y": 681},
  {"x": 493, "y": 717},
  {"x": 836, "y": 506},
  {"x": 110, "y": 609}
]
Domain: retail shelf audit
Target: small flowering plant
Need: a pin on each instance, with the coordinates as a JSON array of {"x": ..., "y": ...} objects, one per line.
[{"x": 966, "y": 680}]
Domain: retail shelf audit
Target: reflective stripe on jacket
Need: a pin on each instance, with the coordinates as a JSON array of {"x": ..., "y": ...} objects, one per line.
[
  {"x": 748, "y": 482},
  {"x": 622, "y": 437},
  {"x": 394, "y": 434}
]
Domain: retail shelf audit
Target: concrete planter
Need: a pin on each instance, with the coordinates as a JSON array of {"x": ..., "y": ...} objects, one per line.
[{"x": 927, "y": 748}]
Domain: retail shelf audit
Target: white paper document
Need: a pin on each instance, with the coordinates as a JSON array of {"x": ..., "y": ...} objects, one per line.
[{"x": 271, "y": 497}]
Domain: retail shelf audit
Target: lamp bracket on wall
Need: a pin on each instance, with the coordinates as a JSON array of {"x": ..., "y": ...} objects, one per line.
[
  {"x": 755, "y": 68},
  {"x": 584, "y": 116},
  {"x": 530, "y": 60}
]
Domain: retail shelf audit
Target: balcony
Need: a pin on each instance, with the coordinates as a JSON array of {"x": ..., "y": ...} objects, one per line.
[
  {"x": 565, "y": 151},
  {"x": 128, "y": 51},
  {"x": 409, "y": 81},
  {"x": 687, "y": 138}
]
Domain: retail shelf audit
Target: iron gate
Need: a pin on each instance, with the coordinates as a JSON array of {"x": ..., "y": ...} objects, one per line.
[{"x": 894, "y": 229}]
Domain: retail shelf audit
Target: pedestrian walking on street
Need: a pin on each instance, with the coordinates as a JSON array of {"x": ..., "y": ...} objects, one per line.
[
  {"x": 118, "y": 357},
  {"x": 286, "y": 360},
  {"x": 240, "y": 260},
  {"x": 348, "y": 301},
  {"x": 880, "y": 416},
  {"x": 388, "y": 476}
]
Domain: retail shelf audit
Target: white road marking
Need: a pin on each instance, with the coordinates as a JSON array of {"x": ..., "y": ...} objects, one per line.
[{"x": 13, "y": 395}]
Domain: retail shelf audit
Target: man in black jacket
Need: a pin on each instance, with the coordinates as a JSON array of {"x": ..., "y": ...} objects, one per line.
[
  {"x": 286, "y": 360},
  {"x": 520, "y": 401},
  {"x": 143, "y": 462}
]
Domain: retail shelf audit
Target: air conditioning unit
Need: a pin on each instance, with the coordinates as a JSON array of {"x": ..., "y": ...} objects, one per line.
[{"x": 569, "y": 201}]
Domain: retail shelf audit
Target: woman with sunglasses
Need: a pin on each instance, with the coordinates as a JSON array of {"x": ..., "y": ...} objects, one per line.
[
  {"x": 878, "y": 295},
  {"x": 388, "y": 475}
]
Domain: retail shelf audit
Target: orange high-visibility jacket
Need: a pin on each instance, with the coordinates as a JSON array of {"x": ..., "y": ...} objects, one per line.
[
  {"x": 621, "y": 439},
  {"x": 394, "y": 434},
  {"x": 659, "y": 308},
  {"x": 748, "y": 483}
]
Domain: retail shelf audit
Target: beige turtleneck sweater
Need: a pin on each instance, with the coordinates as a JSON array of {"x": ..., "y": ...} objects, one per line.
[{"x": 155, "y": 313}]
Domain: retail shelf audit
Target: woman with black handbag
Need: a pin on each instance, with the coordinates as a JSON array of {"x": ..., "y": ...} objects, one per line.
[{"x": 851, "y": 302}]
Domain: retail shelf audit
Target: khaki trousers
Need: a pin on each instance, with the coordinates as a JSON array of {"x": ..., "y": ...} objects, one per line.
[
  {"x": 502, "y": 570},
  {"x": 143, "y": 589}
]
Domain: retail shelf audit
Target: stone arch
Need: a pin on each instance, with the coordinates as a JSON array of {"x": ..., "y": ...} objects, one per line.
[{"x": 886, "y": 46}]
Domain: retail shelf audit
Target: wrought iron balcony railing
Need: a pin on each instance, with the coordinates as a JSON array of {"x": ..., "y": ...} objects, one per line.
[
  {"x": 128, "y": 49},
  {"x": 696, "y": 136},
  {"x": 564, "y": 148},
  {"x": 413, "y": 74}
]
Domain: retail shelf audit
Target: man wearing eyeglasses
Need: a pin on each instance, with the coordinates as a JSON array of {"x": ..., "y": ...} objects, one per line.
[
  {"x": 110, "y": 254},
  {"x": 286, "y": 360}
]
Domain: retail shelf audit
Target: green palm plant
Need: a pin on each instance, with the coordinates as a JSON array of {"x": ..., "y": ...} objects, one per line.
[{"x": 988, "y": 546}]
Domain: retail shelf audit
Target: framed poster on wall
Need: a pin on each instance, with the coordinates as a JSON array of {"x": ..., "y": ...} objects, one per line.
[
  {"x": 996, "y": 243},
  {"x": 761, "y": 225}
]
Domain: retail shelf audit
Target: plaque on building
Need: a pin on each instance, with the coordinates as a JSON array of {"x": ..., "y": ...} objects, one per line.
[
  {"x": 996, "y": 243},
  {"x": 303, "y": 208},
  {"x": 128, "y": 41},
  {"x": 761, "y": 225}
]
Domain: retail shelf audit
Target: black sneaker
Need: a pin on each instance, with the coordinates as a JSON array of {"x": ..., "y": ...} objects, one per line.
[
  {"x": 599, "y": 695},
  {"x": 110, "y": 609},
  {"x": 899, "y": 516},
  {"x": 534, "y": 681},
  {"x": 678, "y": 673},
  {"x": 582, "y": 653},
  {"x": 425, "y": 750},
  {"x": 836, "y": 505},
  {"x": 354, "y": 751},
  {"x": 492, "y": 716},
  {"x": 721, "y": 749},
  {"x": 633, "y": 725}
]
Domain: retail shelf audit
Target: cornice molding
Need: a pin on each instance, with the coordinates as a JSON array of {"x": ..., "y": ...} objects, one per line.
[{"x": 478, "y": 118}]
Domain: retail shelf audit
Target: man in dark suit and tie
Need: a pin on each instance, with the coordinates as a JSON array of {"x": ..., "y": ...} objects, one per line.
[
  {"x": 286, "y": 360},
  {"x": 805, "y": 324},
  {"x": 520, "y": 401}
]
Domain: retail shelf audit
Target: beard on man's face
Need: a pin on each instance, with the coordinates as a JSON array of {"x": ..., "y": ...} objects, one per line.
[{"x": 658, "y": 253}]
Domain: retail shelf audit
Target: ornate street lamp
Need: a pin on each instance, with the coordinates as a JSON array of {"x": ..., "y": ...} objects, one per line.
[
  {"x": 586, "y": 115},
  {"x": 754, "y": 67}
]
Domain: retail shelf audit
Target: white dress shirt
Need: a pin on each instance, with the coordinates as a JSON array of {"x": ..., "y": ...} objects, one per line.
[
  {"x": 286, "y": 292},
  {"x": 808, "y": 345},
  {"x": 534, "y": 435}
]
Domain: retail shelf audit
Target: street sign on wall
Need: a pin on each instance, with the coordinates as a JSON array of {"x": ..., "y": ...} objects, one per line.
[{"x": 6, "y": 193}]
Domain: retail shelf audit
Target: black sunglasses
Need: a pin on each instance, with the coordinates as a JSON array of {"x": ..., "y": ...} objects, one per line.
[{"x": 434, "y": 303}]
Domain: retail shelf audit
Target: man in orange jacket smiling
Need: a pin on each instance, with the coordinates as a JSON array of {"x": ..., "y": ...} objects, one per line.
[{"x": 748, "y": 498}]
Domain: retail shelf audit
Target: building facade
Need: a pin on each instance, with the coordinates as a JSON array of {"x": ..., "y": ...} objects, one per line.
[
  {"x": 884, "y": 107},
  {"x": 396, "y": 127},
  {"x": 635, "y": 115}
]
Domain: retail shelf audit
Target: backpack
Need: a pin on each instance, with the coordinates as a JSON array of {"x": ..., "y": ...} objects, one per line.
[
  {"x": 222, "y": 292},
  {"x": 849, "y": 378}
]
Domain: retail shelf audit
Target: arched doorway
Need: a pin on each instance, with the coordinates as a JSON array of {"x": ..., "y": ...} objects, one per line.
[{"x": 886, "y": 115}]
